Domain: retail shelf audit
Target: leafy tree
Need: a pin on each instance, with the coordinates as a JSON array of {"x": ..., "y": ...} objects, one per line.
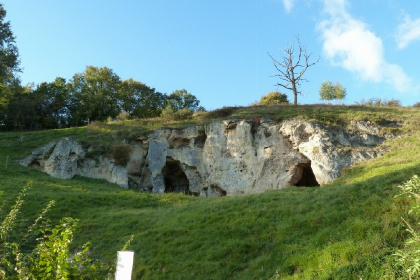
[
  {"x": 9, "y": 67},
  {"x": 139, "y": 100},
  {"x": 292, "y": 67},
  {"x": 52, "y": 103},
  {"x": 328, "y": 91},
  {"x": 9, "y": 56},
  {"x": 273, "y": 98},
  {"x": 94, "y": 95},
  {"x": 182, "y": 99}
]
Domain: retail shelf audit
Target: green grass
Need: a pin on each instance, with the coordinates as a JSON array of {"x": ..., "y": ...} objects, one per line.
[{"x": 345, "y": 230}]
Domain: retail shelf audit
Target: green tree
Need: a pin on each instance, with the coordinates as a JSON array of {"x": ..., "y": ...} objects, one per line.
[
  {"x": 182, "y": 99},
  {"x": 292, "y": 67},
  {"x": 52, "y": 101},
  {"x": 94, "y": 95},
  {"x": 139, "y": 100},
  {"x": 9, "y": 67},
  {"x": 328, "y": 91},
  {"x": 9, "y": 56},
  {"x": 273, "y": 98}
]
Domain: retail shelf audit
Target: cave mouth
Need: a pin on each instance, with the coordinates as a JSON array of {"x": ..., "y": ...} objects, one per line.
[
  {"x": 175, "y": 179},
  {"x": 306, "y": 174}
]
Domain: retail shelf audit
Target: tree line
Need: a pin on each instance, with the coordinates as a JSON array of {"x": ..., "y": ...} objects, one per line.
[{"x": 93, "y": 95}]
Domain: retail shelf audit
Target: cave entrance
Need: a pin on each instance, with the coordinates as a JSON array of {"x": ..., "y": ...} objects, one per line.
[
  {"x": 304, "y": 176},
  {"x": 175, "y": 179}
]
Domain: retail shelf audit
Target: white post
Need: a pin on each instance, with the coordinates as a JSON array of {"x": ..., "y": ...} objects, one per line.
[{"x": 124, "y": 265}]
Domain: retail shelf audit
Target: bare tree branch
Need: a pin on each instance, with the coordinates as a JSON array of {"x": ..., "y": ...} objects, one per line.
[{"x": 291, "y": 73}]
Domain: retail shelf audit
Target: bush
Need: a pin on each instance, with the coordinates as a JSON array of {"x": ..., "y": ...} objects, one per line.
[
  {"x": 273, "y": 98},
  {"x": 181, "y": 114},
  {"x": 121, "y": 154}
]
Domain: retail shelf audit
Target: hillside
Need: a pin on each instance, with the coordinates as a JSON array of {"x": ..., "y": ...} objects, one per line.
[{"x": 347, "y": 229}]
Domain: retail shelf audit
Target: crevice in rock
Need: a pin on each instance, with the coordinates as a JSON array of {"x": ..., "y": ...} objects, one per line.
[
  {"x": 200, "y": 140},
  {"x": 304, "y": 176},
  {"x": 175, "y": 179}
]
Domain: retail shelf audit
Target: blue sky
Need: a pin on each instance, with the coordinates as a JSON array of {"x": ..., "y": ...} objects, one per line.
[{"x": 217, "y": 49}]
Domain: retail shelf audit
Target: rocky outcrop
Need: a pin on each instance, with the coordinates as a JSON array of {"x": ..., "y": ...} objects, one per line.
[
  {"x": 229, "y": 157},
  {"x": 65, "y": 158}
]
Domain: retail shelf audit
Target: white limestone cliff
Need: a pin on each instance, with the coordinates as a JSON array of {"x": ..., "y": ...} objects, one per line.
[{"x": 229, "y": 157}]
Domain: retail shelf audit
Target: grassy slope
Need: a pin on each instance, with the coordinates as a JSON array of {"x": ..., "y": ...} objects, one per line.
[{"x": 344, "y": 230}]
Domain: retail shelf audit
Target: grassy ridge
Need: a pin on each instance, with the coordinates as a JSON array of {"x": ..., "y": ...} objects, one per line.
[{"x": 345, "y": 230}]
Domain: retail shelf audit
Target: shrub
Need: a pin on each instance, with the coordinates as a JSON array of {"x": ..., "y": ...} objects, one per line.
[
  {"x": 273, "y": 98},
  {"x": 181, "y": 114},
  {"x": 121, "y": 154}
]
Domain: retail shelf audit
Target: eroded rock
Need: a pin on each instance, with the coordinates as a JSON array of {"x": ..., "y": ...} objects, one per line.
[{"x": 229, "y": 157}]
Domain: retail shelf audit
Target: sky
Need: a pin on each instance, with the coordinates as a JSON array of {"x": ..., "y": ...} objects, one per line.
[{"x": 218, "y": 49}]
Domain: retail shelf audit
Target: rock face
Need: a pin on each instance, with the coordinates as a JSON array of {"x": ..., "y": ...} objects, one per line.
[{"x": 228, "y": 157}]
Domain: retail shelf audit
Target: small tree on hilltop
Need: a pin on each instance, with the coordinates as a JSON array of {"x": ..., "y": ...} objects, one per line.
[
  {"x": 328, "y": 91},
  {"x": 273, "y": 98}
]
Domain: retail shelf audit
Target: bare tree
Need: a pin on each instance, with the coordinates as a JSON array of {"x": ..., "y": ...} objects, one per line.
[{"x": 292, "y": 68}]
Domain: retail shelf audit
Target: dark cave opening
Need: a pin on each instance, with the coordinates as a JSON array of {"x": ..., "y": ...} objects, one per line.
[
  {"x": 175, "y": 179},
  {"x": 305, "y": 175}
]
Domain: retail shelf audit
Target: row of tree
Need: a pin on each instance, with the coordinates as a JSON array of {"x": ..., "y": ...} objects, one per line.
[{"x": 94, "y": 95}]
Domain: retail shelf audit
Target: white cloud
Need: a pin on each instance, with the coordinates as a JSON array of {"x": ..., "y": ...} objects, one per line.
[
  {"x": 288, "y": 5},
  {"x": 408, "y": 31},
  {"x": 350, "y": 44}
]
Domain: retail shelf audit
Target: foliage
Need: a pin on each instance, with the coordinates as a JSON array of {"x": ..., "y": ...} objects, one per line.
[
  {"x": 273, "y": 98},
  {"x": 51, "y": 258},
  {"x": 409, "y": 257},
  {"x": 51, "y": 102},
  {"x": 181, "y": 114},
  {"x": 9, "y": 67},
  {"x": 9, "y": 55},
  {"x": 139, "y": 100},
  {"x": 94, "y": 95},
  {"x": 121, "y": 154},
  {"x": 328, "y": 91},
  {"x": 182, "y": 99}
]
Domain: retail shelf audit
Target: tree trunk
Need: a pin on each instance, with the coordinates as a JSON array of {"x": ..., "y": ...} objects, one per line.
[{"x": 294, "y": 94}]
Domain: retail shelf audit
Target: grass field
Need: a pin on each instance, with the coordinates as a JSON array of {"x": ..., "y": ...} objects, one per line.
[{"x": 348, "y": 229}]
